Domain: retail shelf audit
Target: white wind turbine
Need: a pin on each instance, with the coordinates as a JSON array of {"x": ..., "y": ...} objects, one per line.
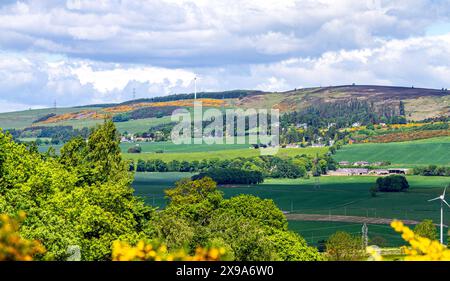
[
  {"x": 442, "y": 198},
  {"x": 195, "y": 88}
]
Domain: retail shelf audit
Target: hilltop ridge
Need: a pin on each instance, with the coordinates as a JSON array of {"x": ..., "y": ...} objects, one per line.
[{"x": 420, "y": 103}]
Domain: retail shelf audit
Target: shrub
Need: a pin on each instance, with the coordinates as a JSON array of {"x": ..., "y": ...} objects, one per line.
[
  {"x": 232, "y": 176},
  {"x": 12, "y": 246},
  {"x": 426, "y": 229},
  {"x": 156, "y": 251},
  {"x": 392, "y": 183},
  {"x": 343, "y": 246},
  {"x": 135, "y": 149}
]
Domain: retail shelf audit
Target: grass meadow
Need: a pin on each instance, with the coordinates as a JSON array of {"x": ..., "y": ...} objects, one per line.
[
  {"x": 203, "y": 151},
  {"x": 329, "y": 196},
  {"x": 408, "y": 154}
]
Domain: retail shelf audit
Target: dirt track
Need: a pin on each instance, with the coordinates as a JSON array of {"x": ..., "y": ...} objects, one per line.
[{"x": 332, "y": 218}]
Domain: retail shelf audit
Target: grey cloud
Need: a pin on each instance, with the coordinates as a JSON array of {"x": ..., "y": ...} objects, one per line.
[{"x": 211, "y": 33}]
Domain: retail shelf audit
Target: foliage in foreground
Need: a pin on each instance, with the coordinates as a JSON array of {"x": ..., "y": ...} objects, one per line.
[
  {"x": 249, "y": 228},
  {"x": 155, "y": 251},
  {"x": 12, "y": 246},
  {"x": 419, "y": 249},
  {"x": 83, "y": 199}
]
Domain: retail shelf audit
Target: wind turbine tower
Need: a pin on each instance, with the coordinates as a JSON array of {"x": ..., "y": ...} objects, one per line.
[
  {"x": 195, "y": 88},
  {"x": 442, "y": 198}
]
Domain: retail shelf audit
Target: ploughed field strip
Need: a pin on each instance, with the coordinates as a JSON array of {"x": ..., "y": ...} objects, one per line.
[{"x": 337, "y": 218}]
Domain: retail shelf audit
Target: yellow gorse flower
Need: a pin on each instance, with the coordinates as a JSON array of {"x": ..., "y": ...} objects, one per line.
[
  {"x": 12, "y": 246},
  {"x": 155, "y": 251},
  {"x": 419, "y": 249}
]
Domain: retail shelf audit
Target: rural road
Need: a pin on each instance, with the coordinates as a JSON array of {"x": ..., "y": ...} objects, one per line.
[{"x": 333, "y": 218}]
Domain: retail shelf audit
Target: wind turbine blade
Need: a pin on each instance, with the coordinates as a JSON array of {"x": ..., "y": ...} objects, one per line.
[
  {"x": 444, "y": 191},
  {"x": 446, "y": 203},
  {"x": 434, "y": 199}
]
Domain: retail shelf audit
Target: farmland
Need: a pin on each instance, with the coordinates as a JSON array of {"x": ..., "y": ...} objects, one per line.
[
  {"x": 209, "y": 152},
  {"x": 170, "y": 147},
  {"x": 330, "y": 196},
  {"x": 22, "y": 119},
  {"x": 314, "y": 232},
  {"x": 408, "y": 154}
]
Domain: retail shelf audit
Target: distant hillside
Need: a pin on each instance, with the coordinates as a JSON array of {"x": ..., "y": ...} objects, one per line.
[{"x": 419, "y": 104}]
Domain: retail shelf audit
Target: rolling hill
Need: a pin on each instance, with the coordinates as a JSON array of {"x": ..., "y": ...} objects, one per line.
[{"x": 419, "y": 104}]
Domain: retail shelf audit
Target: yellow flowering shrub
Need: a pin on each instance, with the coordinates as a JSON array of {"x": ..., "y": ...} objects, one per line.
[
  {"x": 181, "y": 103},
  {"x": 12, "y": 246},
  {"x": 419, "y": 249},
  {"x": 156, "y": 251}
]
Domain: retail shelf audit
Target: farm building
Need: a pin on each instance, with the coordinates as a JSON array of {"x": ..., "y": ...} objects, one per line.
[
  {"x": 349, "y": 172},
  {"x": 398, "y": 171},
  {"x": 364, "y": 172},
  {"x": 380, "y": 172},
  {"x": 344, "y": 163},
  {"x": 361, "y": 163}
]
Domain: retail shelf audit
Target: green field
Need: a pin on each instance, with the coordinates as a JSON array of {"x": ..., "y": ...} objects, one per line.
[
  {"x": 22, "y": 119},
  {"x": 170, "y": 147},
  {"x": 313, "y": 231},
  {"x": 204, "y": 151},
  {"x": 330, "y": 196},
  {"x": 408, "y": 154},
  {"x": 141, "y": 125},
  {"x": 34, "y": 139}
]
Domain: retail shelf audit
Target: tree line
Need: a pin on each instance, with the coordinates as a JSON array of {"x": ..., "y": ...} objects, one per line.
[
  {"x": 432, "y": 170},
  {"x": 56, "y": 134},
  {"x": 268, "y": 166},
  {"x": 231, "y": 176}
]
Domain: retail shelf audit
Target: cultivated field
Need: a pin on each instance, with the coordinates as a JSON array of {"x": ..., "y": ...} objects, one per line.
[
  {"x": 314, "y": 231},
  {"x": 209, "y": 152},
  {"x": 330, "y": 196},
  {"x": 170, "y": 147},
  {"x": 408, "y": 154}
]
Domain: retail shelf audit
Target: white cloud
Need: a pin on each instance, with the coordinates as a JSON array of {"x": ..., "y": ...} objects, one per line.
[
  {"x": 116, "y": 79},
  {"x": 210, "y": 33},
  {"x": 423, "y": 61},
  {"x": 81, "y": 51}
]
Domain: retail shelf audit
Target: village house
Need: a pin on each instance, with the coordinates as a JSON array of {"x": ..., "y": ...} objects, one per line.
[
  {"x": 361, "y": 163},
  {"x": 344, "y": 163}
]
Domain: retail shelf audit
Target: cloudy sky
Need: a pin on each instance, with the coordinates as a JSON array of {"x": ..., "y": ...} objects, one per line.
[{"x": 81, "y": 51}]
